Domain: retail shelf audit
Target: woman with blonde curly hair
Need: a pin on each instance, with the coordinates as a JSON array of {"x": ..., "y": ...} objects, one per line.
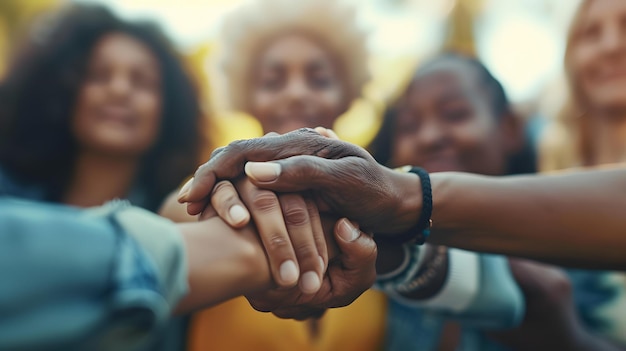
[
  {"x": 591, "y": 131},
  {"x": 292, "y": 65}
]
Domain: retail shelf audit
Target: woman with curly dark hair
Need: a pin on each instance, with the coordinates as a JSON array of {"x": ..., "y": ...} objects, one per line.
[{"x": 95, "y": 108}]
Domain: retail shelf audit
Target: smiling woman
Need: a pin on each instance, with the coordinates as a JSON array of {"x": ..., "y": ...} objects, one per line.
[
  {"x": 296, "y": 83},
  {"x": 118, "y": 108},
  {"x": 94, "y": 109},
  {"x": 593, "y": 131},
  {"x": 293, "y": 65}
]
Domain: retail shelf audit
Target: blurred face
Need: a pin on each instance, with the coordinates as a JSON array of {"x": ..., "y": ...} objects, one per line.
[
  {"x": 445, "y": 123},
  {"x": 118, "y": 108},
  {"x": 296, "y": 84},
  {"x": 598, "y": 55}
]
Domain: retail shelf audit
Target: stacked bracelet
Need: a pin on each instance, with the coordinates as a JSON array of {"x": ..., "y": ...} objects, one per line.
[
  {"x": 419, "y": 273},
  {"x": 420, "y": 232},
  {"x": 426, "y": 274},
  {"x": 404, "y": 274}
]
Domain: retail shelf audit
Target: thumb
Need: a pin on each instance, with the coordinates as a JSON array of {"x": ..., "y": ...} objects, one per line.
[
  {"x": 358, "y": 250},
  {"x": 299, "y": 173},
  {"x": 296, "y": 173}
]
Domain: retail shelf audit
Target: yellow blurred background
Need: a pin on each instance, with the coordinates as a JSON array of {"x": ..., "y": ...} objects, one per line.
[{"x": 521, "y": 41}]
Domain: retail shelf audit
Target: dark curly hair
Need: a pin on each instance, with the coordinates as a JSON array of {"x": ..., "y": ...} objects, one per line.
[
  {"x": 522, "y": 162},
  {"x": 38, "y": 96}
]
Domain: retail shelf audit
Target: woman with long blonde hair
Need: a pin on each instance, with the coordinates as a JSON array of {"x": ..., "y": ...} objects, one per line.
[{"x": 591, "y": 131}]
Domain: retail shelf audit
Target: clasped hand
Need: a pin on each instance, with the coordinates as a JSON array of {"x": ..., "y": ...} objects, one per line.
[{"x": 316, "y": 261}]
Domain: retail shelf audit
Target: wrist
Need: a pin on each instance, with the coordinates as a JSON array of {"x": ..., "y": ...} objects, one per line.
[
  {"x": 253, "y": 261},
  {"x": 408, "y": 200},
  {"x": 223, "y": 263}
]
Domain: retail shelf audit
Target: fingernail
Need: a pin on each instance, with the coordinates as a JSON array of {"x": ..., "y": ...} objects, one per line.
[
  {"x": 320, "y": 130},
  {"x": 322, "y": 264},
  {"x": 182, "y": 194},
  {"x": 347, "y": 232},
  {"x": 263, "y": 171},
  {"x": 310, "y": 283},
  {"x": 289, "y": 272},
  {"x": 237, "y": 214}
]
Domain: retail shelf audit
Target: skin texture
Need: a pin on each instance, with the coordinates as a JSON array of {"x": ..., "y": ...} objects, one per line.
[
  {"x": 296, "y": 83},
  {"x": 471, "y": 212}
]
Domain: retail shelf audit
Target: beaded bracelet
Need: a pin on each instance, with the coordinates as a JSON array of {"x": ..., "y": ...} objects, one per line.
[{"x": 425, "y": 275}]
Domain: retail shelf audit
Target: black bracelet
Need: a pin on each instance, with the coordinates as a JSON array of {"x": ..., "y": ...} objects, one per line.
[{"x": 420, "y": 232}]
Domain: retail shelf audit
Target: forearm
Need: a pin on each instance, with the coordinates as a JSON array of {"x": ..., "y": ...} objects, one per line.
[
  {"x": 223, "y": 263},
  {"x": 570, "y": 218}
]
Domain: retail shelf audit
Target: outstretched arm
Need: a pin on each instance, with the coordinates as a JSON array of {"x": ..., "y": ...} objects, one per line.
[
  {"x": 112, "y": 275},
  {"x": 571, "y": 218},
  {"x": 574, "y": 218}
]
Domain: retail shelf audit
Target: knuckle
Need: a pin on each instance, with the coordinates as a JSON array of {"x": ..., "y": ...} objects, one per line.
[
  {"x": 277, "y": 242},
  {"x": 301, "y": 167},
  {"x": 223, "y": 187},
  {"x": 217, "y": 151},
  {"x": 238, "y": 145},
  {"x": 265, "y": 201},
  {"x": 224, "y": 192},
  {"x": 295, "y": 214}
]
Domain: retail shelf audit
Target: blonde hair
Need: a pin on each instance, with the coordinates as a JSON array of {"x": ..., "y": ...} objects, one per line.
[
  {"x": 244, "y": 31},
  {"x": 567, "y": 141}
]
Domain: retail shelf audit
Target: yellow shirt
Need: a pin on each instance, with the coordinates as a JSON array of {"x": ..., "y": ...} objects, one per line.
[{"x": 236, "y": 326}]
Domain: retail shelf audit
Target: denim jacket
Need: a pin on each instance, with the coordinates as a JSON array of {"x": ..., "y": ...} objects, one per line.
[
  {"x": 75, "y": 279},
  {"x": 497, "y": 305}
]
